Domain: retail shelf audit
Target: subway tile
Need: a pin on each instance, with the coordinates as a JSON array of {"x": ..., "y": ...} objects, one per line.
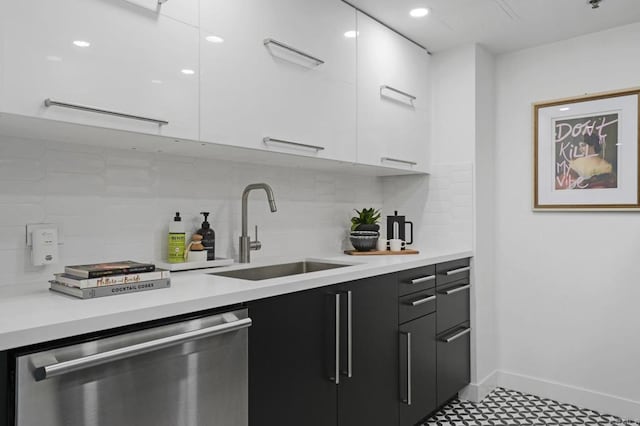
[
  {"x": 19, "y": 214},
  {"x": 74, "y": 184},
  {"x": 18, "y": 188},
  {"x": 11, "y": 147},
  {"x": 25, "y": 169},
  {"x": 74, "y": 162},
  {"x": 12, "y": 238}
]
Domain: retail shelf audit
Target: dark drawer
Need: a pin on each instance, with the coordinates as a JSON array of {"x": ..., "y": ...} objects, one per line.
[
  {"x": 417, "y": 304},
  {"x": 452, "y": 304},
  {"x": 453, "y": 271},
  {"x": 453, "y": 358},
  {"x": 416, "y": 279}
]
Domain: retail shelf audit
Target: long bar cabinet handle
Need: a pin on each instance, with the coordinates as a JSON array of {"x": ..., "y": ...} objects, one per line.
[
  {"x": 457, "y": 271},
  {"x": 408, "y": 399},
  {"x": 58, "y": 369},
  {"x": 456, "y": 290},
  {"x": 268, "y": 41},
  {"x": 336, "y": 377},
  {"x": 422, "y": 301},
  {"x": 399, "y": 92},
  {"x": 398, "y": 160},
  {"x": 349, "y": 334},
  {"x": 423, "y": 279},
  {"x": 50, "y": 102},
  {"x": 457, "y": 335},
  {"x": 268, "y": 139}
]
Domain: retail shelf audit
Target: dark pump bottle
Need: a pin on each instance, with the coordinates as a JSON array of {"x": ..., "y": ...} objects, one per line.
[{"x": 208, "y": 237}]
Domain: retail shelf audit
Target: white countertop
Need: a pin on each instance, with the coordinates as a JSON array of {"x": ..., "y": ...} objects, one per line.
[{"x": 30, "y": 313}]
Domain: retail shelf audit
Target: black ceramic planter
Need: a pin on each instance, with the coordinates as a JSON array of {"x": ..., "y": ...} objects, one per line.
[{"x": 367, "y": 227}]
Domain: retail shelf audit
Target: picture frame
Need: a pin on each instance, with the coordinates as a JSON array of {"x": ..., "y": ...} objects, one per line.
[{"x": 586, "y": 152}]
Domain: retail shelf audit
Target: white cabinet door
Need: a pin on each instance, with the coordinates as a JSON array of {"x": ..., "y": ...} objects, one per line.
[
  {"x": 109, "y": 55},
  {"x": 252, "y": 88},
  {"x": 393, "y": 99}
]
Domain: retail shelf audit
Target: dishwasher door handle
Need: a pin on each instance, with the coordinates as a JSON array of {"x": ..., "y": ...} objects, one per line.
[{"x": 43, "y": 373}]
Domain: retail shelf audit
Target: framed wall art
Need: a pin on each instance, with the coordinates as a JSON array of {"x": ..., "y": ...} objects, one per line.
[{"x": 586, "y": 152}]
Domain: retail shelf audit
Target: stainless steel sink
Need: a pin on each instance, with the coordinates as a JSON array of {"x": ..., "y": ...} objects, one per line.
[{"x": 282, "y": 270}]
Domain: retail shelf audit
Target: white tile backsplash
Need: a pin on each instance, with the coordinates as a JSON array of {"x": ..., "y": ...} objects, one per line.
[
  {"x": 116, "y": 204},
  {"x": 440, "y": 205}
]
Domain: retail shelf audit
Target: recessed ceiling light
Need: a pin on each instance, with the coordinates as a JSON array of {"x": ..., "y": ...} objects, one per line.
[
  {"x": 351, "y": 34},
  {"x": 214, "y": 39},
  {"x": 54, "y": 58},
  {"x": 187, "y": 71},
  {"x": 565, "y": 109},
  {"x": 419, "y": 12},
  {"x": 82, "y": 43}
]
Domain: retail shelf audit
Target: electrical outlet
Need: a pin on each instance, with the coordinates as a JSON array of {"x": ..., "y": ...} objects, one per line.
[{"x": 42, "y": 238}]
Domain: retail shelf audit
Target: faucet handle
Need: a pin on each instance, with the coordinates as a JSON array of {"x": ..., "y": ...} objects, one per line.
[{"x": 255, "y": 245}]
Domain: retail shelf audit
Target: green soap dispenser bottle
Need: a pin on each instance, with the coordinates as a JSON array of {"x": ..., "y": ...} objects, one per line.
[
  {"x": 177, "y": 240},
  {"x": 208, "y": 237}
]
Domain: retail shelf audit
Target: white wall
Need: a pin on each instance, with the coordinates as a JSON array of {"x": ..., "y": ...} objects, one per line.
[
  {"x": 116, "y": 204},
  {"x": 568, "y": 290},
  {"x": 484, "y": 290},
  {"x": 453, "y": 107}
]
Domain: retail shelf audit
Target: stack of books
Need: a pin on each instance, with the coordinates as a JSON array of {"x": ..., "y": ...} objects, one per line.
[{"x": 108, "y": 279}]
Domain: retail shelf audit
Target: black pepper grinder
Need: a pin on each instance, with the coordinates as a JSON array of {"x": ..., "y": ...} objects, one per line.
[{"x": 396, "y": 228}]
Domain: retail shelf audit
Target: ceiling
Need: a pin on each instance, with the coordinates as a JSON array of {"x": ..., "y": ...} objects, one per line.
[{"x": 499, "y": 25}]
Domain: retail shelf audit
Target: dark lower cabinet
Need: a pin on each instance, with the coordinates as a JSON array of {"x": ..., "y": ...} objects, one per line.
[
  {"x": 289, "y": 356},
  {"x": 297, "y": 343},
  {"x": 369, "y": 396},
  {"x": 453, "y": 287},
  {"x": 453, "y": 361},
  {"x": 380, "y": 351},
  {"x": 4, "y": 388},
  {"x": 417, "y": 369}
]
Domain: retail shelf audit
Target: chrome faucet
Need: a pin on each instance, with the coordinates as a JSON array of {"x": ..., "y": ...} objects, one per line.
[{"x": 246, "y": 245}]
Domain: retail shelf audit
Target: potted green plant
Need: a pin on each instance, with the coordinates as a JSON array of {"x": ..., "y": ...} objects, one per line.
[{"x": 367, "y": 220}]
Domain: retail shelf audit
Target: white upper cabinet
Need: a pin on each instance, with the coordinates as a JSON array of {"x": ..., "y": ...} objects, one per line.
[
  {"x": 393, "y": 99},
  {"x": 279, "y": 75},
  {"x": 106, "y": 63}
]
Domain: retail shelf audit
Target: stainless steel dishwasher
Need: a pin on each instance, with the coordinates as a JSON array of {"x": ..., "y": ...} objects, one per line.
[{"x": 190, "y": 373}]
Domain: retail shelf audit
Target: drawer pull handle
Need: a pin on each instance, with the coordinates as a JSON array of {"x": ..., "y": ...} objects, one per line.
[
  {"x": 397, "y": 160},
  {"x": 267, "y": 140},
  {"x": 50, "y": 102},
  {"x": 423, "y": 279},
  {"x": 399, "y": 92},
  {"x": 268, "y": 41},
  {"x": 457, "y": 271},
  {"x": 456, "y": 290},
  {"x": 422, "y": 301},
  {"x": 457, "y": 335}
]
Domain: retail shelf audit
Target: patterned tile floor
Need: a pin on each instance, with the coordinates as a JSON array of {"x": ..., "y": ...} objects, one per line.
[{"x": 507, "y": 407}]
